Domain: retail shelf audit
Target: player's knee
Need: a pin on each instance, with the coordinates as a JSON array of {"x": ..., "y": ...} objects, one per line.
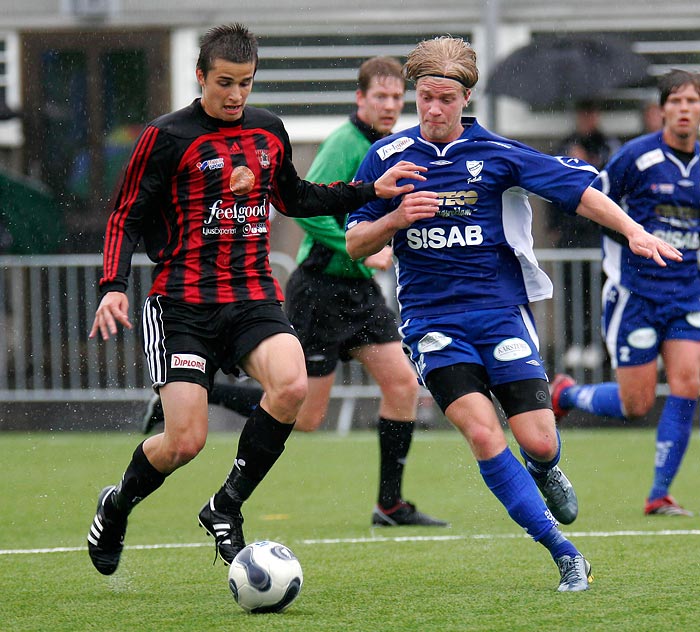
[
  {"x": 541, "y": 448},
  {"x": 308, "y": 423},
  {"x": 401, "y": 388},
  {"x": 289, "y": 395},
  {"x": 482, "y": 437},
  {"x": 186, "y": 449},
  {"x": 638, "y": 406}
]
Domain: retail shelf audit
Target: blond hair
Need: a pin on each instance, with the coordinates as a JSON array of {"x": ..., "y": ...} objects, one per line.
[{"x": 445, "y": 56}]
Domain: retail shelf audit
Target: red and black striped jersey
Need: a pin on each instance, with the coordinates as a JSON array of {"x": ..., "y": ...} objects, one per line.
[{"x": 198, "y": 191}]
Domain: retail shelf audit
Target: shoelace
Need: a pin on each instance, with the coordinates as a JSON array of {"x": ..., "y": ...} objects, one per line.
[
  {"x": 569, "y": 571},
  {"x": 555, "y": 488}
]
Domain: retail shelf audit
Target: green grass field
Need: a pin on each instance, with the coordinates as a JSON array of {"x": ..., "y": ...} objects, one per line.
[{"x": 481, "y": 574}]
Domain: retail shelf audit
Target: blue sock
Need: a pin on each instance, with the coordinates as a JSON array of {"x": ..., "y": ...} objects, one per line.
[
  {"x": 540, "y": 468},
  {"x": 599, "y": 399},
  {"x": 514, "y": 487},
  {"x": 672, "y": 436},
  {"x": 558, "y": 545}
]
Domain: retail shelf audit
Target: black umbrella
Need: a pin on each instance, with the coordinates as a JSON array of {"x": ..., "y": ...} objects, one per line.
[{"x": 559, "y": 71}]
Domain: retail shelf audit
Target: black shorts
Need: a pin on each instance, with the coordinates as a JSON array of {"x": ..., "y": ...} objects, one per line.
[
  {"x": 334, "y": 315},
  {"x": 190, "y": 343}
]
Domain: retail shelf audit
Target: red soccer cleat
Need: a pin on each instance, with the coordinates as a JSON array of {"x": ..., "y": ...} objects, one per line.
[
  {"x": 666, "y": 506},
  {"x": 560, "y": 382}
]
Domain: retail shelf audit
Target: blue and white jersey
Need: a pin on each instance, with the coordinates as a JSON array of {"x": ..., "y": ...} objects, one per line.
[
  {"x": 662, "y": 193},
  {"x": 477, "y": 252}
]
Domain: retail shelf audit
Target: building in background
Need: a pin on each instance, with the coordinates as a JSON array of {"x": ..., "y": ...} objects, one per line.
[{"x": 85, "y": 75}]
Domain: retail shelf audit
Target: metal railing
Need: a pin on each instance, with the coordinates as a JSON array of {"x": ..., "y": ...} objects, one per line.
[{"x": 47, "y": 304}]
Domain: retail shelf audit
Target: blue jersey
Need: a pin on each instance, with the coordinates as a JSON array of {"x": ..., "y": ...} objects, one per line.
[
  {"x": 662, "y": 193},
  {"x": 477, "y": 252}
]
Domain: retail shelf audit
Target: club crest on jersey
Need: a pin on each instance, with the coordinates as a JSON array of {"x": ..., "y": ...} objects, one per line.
[
  {"x": 263, "y": 157},
  {"x": 474, "y": 167}
]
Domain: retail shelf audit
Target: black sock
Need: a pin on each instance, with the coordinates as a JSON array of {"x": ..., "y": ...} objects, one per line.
[
  {"x": 394, "y": 443},
  {"x": 261, "y": 444},
  {"x": 240, "y": 398},
  {"x": 140, "y": 479}
]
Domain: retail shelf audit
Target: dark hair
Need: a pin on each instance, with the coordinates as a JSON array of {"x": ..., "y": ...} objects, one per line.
[
  {"x": 674, "y": 80},
  {"x": 378, "y": 67},
  {"x": 230, "y": 42}
]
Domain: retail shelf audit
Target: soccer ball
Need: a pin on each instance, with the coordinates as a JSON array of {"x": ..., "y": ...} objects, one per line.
[{"x": 265, "y": 577}]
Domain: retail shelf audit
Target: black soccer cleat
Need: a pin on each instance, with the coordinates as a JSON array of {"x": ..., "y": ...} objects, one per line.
[
  {"x": 106, "y": 536},
  {"x": 559, "y": 494},
  {"x": 227, "y": 530},
  {"x": 153, "y": 415},
  {"x": 404, "y": 513}
]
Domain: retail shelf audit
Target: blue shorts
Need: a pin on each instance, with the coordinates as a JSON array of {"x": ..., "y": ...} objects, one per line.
[
  {"x": 504, "y": 341},
  {"x": 634, "y": 326}
]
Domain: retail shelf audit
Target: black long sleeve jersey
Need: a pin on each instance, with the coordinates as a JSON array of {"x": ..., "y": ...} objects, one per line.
[{"x": 198, "y": 191}]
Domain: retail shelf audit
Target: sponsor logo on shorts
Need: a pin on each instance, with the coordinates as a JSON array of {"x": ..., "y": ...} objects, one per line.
[
  {"x": 433, "y": 341},
  {"x": 188, "y": 361},
  {"x": 693, "y": 318},
  {"x": 512, "y": 349},
  {"x": 644, "y": 338}
]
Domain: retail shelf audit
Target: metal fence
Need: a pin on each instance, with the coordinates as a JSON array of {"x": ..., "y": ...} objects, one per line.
[{"x": 47, "y": 304}]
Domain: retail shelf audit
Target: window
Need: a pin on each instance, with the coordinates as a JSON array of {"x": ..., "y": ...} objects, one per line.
[{"x": 10, "y": 128}]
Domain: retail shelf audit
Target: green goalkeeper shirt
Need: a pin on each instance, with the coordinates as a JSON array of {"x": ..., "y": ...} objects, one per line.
[{"x": 323, "y": 247}]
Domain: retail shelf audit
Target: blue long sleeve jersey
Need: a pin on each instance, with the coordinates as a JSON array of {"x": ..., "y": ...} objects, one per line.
[
  {"x": 477, "y": 252},
  {"x": 661, "y": 192}
]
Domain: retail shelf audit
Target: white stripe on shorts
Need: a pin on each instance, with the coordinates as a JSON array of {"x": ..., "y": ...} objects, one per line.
[
  {"x": 154, "y": 340},
  {"x": 530, "y": 325},
  {"x": 613, "y": 327}
]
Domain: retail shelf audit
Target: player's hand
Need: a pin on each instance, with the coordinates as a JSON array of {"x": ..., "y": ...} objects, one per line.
[
  {"x": 649, "y": 246},
  {"x": 381, "y": 260},
  {"x": 113, "y": 308},
  {"x": 386, "y": 186},
  {"x": 415, "y": 206}
]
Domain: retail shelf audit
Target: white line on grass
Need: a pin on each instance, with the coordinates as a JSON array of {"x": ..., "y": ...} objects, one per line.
[
  {"x": 501, "y": 536},
  {"x": 371, "y": 540}
]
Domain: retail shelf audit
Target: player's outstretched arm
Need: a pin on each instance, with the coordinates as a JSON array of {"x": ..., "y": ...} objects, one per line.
[
  {"x": 367, "y": 238},
  {"x": 385, "y": 186},
  {"x": 113, "y": 308},
  {"x": 601, "y": 209}
]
